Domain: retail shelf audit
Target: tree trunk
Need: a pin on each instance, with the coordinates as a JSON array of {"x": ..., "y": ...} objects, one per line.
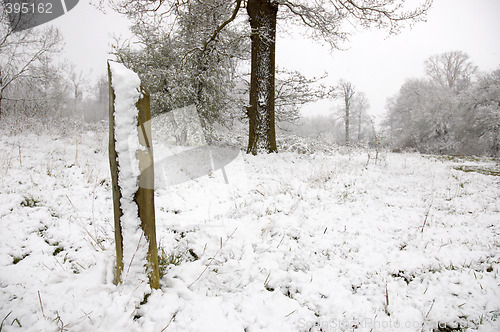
[
  {"x": 348, "y": 92},
  {"x": 359, "y": 126},
  {"x": 347, "y": 115},
  {"x": 1, "y": 96},
  {"x": 262, "y": 136},
  {"x": 1, "y": 92}
]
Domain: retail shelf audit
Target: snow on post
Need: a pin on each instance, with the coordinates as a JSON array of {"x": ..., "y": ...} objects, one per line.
[{"x": 131, "y": 163}]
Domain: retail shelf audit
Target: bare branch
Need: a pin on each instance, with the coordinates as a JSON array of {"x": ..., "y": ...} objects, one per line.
[{"x": 223, "y": 25}]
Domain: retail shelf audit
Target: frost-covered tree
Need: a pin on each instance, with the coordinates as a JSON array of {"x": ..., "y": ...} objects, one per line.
[
  {"x": 294, "y": 90},
  {"x": 361, "y": 120},
  {"x": 449, "y": 111},
  {"x": 480, "y": 121},
  {"x": 451, "y": 70},
  {"x": 324, "y": 20},
  {"x": 423, "y": 116},
  {"x": 352, "y": 122},
  {"x": 416, "y": 114},
  {"x": 42, "y": 94},
  {"x": 177, "y": 64}
]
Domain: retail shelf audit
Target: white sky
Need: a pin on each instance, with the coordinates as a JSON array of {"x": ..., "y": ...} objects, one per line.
[
  {"x": 379, "y": 64},
  {"x": 376, "y": 63}
]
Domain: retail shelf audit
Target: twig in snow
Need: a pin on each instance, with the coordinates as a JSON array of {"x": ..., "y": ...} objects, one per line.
[
  {"x": 3, "y": 320},
  {"x": 171, "y": 320},
  {"x": 87, "y": 315},
  {"x": 59, "y": 320},
  {"x": 426, "y": 216},
  {"x": 16, "y": 321},
  {"x": 267, "y": 280},
  {"x": 133, "y": 256},
  {"x": 41, "y": 304},
  {"x": 70, "y": 202},
  {"x": 62, "y": 267},
  {"x": 387, "y": 300},
  {"x": 280, "y": 241},
  {"x": 212, "y": 259},
  {"x": 427, "y": 315},
  {"x": 259, "y": 192}
]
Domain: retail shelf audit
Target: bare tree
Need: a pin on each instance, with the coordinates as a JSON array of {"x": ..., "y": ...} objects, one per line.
[
  {"x": 347, "y": 91},
  {"x": 452, "y": 70},
  {"x": 451, "y": 111},
  {"x": 21, "y": 51},
  {"x": 325, "y": 20},
  {"x": 360, "y": 106},
  {"x": 78, "y": 81},
  {"x": 294, "y": 90}
]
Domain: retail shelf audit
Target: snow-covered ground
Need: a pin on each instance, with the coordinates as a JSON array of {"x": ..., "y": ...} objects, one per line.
[{"x": 294, "y": 242}]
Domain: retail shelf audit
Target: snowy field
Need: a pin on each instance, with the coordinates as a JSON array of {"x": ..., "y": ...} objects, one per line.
[{"x": 294, "y": 242}]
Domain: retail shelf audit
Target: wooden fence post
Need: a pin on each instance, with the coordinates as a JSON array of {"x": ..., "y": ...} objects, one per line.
[
  {"x": 145, "y": 193},
  {"x": 144, "y": 196}
]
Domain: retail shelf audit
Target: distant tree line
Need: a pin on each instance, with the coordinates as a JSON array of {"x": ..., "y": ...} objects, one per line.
[
  {"x": 353, "y": 119},
  {"x": 36, "y": 84},
  {"x": 452, "y": 110}
]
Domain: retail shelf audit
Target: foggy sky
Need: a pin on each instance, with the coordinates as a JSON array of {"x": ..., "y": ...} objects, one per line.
[{"x": 376, "y": 63}]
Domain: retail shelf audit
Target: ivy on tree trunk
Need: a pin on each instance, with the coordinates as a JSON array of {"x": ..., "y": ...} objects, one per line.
[{"x": 262, "y": 136}]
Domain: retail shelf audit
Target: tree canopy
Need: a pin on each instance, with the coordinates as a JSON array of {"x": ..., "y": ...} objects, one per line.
[
  {"x": 205, "y": 27},
  {"x": 452, "y": 110}
]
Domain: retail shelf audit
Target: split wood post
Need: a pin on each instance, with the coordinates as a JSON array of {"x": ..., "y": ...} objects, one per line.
[{"x": 144, "y": 196}]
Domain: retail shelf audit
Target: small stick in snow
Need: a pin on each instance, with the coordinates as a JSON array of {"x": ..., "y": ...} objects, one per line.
[
  {"x": 3, "y": 320},
  {"x": 70, "y": 202},
  {"x": 171, "y": 320},
  {"x": 87, "y": 315},
  {"x": 428, "y": 312},
  {"x": 387, "y": 300},
  {"x": 133, "y": 256},
  {"x": 426, "y": 216},
  {"x": 280, "y": 241},
  {"x": 41, "y": 304},
  {"x": 267, "y": 280}
]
